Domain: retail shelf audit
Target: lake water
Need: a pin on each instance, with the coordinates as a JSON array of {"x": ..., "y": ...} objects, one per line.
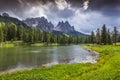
[{"x": 29, "y": 57}]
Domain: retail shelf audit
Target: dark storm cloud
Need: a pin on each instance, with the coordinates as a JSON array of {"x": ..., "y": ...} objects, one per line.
[
  {"x": 93, "y": 4},
  {"x": 8, "y": 4},
  {"x": 11, "y": 4},
  {"x": 99, "y": 4},
  {"x": 107, "y": 7},
  {"x": 76, "y": 3},
  {"x": 16, "y": 4}
]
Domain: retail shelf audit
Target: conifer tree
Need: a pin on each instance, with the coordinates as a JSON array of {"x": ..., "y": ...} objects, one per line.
[{"x": 104, "y": 35}]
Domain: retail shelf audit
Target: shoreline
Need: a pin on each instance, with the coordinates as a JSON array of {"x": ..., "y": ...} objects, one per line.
[
  {"x": 94, "y": 53},
  {"x": 52, "y": 64},
  {"x": 13, "y": 44}
]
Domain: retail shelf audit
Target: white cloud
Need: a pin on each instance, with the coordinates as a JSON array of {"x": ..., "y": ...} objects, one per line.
[
  {"x": 61, "y": 4},
  {"x": 36, "y": 12},
  {"x": 86, "y": 5}
]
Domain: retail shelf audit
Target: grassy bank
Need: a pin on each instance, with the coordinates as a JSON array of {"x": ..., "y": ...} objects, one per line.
[
  {"x": 107, "y": 68},
  {"x": 9, "y": 44},
  {"x": 45, "y": 44}
]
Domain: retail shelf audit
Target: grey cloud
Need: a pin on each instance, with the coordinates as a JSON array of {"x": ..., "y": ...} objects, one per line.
[
  {"x": 66, "y": 13},
  {"x": 107, "y": 7}
]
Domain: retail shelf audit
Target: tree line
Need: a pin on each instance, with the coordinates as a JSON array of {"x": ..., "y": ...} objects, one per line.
[
  {"x": 105, "y": 36},
  {"x": 11, "y": 32}
]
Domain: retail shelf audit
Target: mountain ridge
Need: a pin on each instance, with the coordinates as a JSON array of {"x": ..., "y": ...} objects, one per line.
[
  {"x": 61, "y": 28},
  {"x": 39, "y": 23},
  {"x": 43, "y": 24},
  {"x": 8, "y": 19},
  {"x": 64, "y": 27}
]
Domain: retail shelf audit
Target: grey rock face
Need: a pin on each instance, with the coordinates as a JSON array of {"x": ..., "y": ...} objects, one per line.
[
  {"x": 40, "y": 23},
  {"x": 64, "y": 27}
]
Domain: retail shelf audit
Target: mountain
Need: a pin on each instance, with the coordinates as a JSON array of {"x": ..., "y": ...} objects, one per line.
[
  {"x": 7, "y": 19},
  {"x": 43, "y": 24},
  {"x": 66, "y": 28},
  {"x": 5, "y": 14},
  {"x": 40, "y": 23}
]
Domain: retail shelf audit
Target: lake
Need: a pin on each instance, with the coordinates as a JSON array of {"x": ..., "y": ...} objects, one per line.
[{"x": 30, "y": 57}]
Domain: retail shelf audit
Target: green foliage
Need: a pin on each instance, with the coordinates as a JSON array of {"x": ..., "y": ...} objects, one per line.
[
  {"x": 105, "y": 36},
  {"x": 20, "y": 32},
  {"x": 109, "y": 40},
  {"x": 92, "y": 37},
  {"x": 115, "y": 33},
  {"x": 98, "y": 36},
  {"x": 1, "y": 33},
  {"x": 12, "y": 32}
]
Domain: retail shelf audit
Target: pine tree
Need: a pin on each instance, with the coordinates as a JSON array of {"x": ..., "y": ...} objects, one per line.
[
  {"x": 5, "y": 31},
  {"x": 48, "y": 37},
  {"x": 1, "y": 35},
  {"x": 12, "y": 31},
  {"x": 31, "y": 35},
  {"x": 20, "y": 31},
  {"x": 25, "y": 36},
  {"x": 92, "y": 37},
  {"x": 109, "y": 40},
  {"x": 104, "y": 35},
  {"x": 115, "y": 32},
  {"x": 44, "y": 37},
  {"x": 98, "y": 36}
]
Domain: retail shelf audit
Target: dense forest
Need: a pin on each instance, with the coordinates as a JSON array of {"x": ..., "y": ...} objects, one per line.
[{"x": 12, "y": 32}]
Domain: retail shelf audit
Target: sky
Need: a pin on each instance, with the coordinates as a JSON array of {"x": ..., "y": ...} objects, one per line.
[{"x": 84, "y": 15}]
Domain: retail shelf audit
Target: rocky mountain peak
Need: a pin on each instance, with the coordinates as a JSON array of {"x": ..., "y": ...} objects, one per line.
[
  {"x": 64, "y": 27},
  {"x": 40, "y": 23},
  {"x": 5, "y": 14}
]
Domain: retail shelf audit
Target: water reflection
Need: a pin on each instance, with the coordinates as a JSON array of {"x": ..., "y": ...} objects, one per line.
[{"x": 27, "y": 57}]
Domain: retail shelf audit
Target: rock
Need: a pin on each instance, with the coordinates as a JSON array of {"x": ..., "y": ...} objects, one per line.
[
  {"x": 40, "y": 23},
  {"x": 64, "y": 27},
  {"x": 5, "y": 14}
]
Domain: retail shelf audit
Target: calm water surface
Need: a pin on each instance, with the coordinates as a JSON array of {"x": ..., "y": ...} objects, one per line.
[{"x": 29, "y": 57}]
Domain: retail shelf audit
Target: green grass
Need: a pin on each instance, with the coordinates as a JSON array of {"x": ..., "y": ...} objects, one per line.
[
  {"x": 107, "y": 68},
  {"x": 8, "y": 44},
  {"x": 45, "y": 44}
]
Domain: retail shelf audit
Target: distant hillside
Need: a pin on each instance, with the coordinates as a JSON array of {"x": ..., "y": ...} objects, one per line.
[{"x": 7, "y": 19}]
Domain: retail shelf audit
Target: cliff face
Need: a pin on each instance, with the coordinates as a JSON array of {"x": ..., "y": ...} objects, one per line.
[
  {"x": 40, "y": 23},
  {"x": 64, "y": 27}
]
